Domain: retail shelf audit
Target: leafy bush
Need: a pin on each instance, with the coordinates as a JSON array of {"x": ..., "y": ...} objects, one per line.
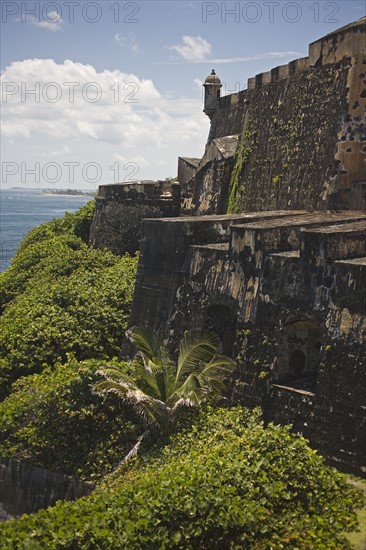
[
  {"x": 225, "y": 483},
  {"x": 53, "y": 420},
  {"x": 84, "y": 312},
  {"x": 77, "y": 224},
  {"x": 48, "y": 248},
  {"x": 60, "y": 296}
]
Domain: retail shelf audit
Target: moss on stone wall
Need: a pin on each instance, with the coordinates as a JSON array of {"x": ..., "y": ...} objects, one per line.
[
  {"x": 247, "y": 142},
  {"x": 286, "y": 158}
]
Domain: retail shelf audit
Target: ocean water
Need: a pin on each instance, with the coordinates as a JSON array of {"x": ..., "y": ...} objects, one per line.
[{"x": 23, "y": 209}]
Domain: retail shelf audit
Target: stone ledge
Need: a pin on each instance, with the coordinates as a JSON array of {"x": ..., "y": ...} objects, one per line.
[
  {"x": 235, "y": 218},
  {"x": 353, "y": 261},
  {"x": 294, "y": 390},
  {"x": 356, "y": 226},
  {"x": 290, "y": 254},
  {"x": 219, "y": 246}
]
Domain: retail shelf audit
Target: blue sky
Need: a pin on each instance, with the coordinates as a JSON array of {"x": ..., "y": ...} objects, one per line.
[{"x": 118, "y": 85}]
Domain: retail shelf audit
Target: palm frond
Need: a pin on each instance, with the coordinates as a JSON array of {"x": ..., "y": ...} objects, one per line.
[
  {"x": 195, "y": 350},
  {"x": 157, "y": 377},
  {"x": 206, "y": 381},
  {"x": 213, "y": 387},
  {"x": 182, "y": 402},
  {"x": 191, "y": 383},
  {"x": 155, "y": 388},
  {"x": 165, "y": 379},
  {"x": 152, "y": 411},
  {"x": 219, "y": 366},
  {"x": 116, "y": 374},
  {"x": 193, "y": 399},
  {"x": 146, "y": 375},
  {"x": 108, "y": 386},
  {"x": 145, "y": 341}
]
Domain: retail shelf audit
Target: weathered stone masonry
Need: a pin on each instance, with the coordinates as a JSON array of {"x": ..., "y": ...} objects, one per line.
[
  {"x": 302, "y": 128},
  {"x": 120, "y": 207},
  {"x": 25, "y": 489},
  {"x": 285, "y": 291},
  {"x": 281, "y": 279}
]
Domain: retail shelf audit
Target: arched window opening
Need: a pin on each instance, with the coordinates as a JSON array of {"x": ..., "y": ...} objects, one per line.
[
  {"x": 297, "y": 362},
  {"x": 300, "y": 355}
]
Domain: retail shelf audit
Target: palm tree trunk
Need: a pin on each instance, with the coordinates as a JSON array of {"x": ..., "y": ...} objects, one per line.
[{"x": 135, "y": 449}]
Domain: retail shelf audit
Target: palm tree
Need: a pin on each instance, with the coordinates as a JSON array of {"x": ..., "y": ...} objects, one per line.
[{"x": 157, "y": 388}]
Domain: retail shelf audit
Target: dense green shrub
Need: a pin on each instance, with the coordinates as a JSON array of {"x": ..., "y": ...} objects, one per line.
[
  {"x": 77, "y": 224},
  {"x": 48, "y": 249},
  {"x": 60, "y": 296},
  {"x": 225, "y": 483},
  {"x": 52, "y": 257},
  {"x": 84, "y": 312},
  {"x": 53, "y": 420}
]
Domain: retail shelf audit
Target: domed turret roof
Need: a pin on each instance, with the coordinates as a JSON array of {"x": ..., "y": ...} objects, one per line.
[{"x": 213, "y": 78}]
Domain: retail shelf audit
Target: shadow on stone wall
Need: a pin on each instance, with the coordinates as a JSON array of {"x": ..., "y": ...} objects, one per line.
[{"x": 25, "y": 489}]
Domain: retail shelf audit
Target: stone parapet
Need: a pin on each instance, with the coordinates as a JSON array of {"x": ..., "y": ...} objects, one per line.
[{"x": 121, "y": 207}]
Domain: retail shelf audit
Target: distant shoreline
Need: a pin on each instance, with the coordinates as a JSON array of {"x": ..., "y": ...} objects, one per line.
[
  {"x": 68, "y": 194},
  {"x": 55, "y": 192}
]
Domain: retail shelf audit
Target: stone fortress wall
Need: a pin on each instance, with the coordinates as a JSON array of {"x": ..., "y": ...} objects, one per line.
[
  {"x": 301, "y": 131},
  {"x": 268, "y": 249},
  {"x": 121, "y": 207}
]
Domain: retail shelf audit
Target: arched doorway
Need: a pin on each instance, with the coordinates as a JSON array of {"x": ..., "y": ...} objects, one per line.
[
  {"x": 300, "y": 356},
  {"x": 297, "y": 362}
]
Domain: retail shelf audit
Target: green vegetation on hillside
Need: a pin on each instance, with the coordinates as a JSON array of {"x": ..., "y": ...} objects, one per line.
[
  {"x": 224, "y": 483},
  {"x": 54, "y": 420},
  {"x": 60, "y": 296},
  {"x": 64, "y": 311},
  {"x": 358, "y": 538}
]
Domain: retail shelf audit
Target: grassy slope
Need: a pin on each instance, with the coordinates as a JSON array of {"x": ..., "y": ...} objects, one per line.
[{"x": 227, "y": 479}]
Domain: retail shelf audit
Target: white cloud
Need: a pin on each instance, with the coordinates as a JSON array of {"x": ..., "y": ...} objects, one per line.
[
  {"x": 53, "y": 22},
  {"x": 57, "y": 153},
  {"x": 127, "y": 41},
  {"x": 138, "y": 159},
  {"x": 198, "y": 83},
  {"x": 238, "y": 59},
  {"x": 100, "y": 116},
  {"x": 268, "y": 55},
  {"x": 194, "y": 48}
]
